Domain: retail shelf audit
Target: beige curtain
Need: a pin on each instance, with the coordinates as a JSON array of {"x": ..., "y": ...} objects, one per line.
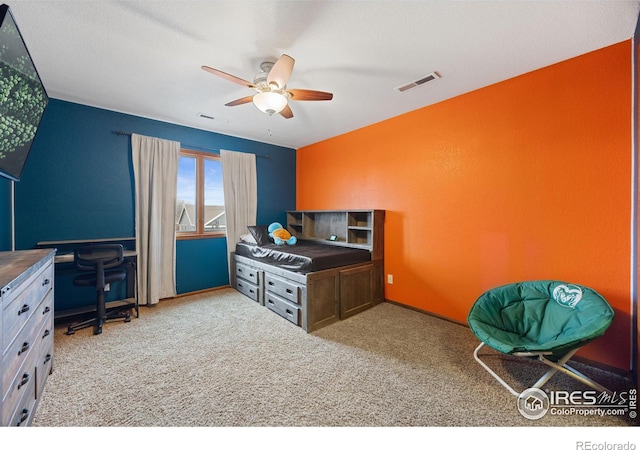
[
  {"x": 240, "y": 184},
  {"x": 155, "y": 167}
]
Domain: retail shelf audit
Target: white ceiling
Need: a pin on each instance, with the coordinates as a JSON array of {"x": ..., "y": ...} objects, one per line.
[{"x": 143, "y": 57}]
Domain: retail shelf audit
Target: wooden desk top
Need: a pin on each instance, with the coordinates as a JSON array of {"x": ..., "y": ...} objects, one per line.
[
  {"x": 65, "y": 247},
  {"x": 83, "y": 241},
  {"x": 68, "y": 257}
]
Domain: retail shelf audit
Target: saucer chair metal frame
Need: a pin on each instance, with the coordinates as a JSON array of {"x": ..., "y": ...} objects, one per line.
[{"x": 545, "y": 320}]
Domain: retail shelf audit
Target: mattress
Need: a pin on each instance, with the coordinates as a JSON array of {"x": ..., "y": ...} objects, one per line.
[{"x": 305, "y": 256}]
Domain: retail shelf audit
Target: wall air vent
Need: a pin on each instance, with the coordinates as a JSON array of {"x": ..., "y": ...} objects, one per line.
[{"x": 430, "y": 77}]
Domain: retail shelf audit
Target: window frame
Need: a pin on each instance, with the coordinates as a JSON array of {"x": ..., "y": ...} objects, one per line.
[{"x": 199, "y": 233}]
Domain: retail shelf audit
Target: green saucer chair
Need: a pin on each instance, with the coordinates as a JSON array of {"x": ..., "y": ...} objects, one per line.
[{"x": 546, "y": 320}]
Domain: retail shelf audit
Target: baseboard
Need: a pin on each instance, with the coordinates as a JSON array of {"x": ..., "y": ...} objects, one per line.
[
  {"x": 598, "y": 365},
  {"x": 413, "y": 308},
  {"x": 202, "y": 291}
]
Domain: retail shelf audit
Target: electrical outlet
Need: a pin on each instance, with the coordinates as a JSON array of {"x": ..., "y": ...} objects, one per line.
[{"x": 389, "y": 279}]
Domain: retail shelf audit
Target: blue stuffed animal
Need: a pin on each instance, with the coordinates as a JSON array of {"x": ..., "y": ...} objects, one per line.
[{"x": 280, "y": 235}]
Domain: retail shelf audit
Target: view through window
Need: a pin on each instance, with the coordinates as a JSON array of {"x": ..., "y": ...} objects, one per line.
[{"x": 200, "y": 200}]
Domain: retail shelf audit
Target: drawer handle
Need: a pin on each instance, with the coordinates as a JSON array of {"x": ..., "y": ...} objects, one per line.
[
  {"x": 23, "y": 417},
  {"x": 46, "y": 310},
  {"x": 46, "y": 333},
  {"x": 289, "y": 291},
  {"x": 270, "y": 302},
  {"x": 46, "y": 281},
  {"x": 24, "y": 309},
  {"x": 24, "y": 380},
  {"x": 47, "y": 358},
  {"x": 270, "y": 283},
  {"x": 24, "y": 348},
  {"x": 289, "y": 312},
  {"x": 251, "y": 290}
]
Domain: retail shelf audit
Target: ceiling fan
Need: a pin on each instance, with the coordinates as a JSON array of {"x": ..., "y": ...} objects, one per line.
[{"x": 270, "y": 83}]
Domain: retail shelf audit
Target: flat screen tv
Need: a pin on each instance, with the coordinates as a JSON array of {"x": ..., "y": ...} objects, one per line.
[{"x": 23, "y": 98}]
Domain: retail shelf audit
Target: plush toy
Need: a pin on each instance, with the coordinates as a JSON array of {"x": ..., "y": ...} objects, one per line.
[{"x": 280, "y": 235}]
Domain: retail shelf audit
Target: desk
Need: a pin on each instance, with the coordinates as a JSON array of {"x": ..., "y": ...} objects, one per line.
[
  {"x": 64, "y": 263},
  {"x": 68, "y": 257}
]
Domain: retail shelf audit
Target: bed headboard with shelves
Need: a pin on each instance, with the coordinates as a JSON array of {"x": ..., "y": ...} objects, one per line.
[{"x": 358, "y": 228}]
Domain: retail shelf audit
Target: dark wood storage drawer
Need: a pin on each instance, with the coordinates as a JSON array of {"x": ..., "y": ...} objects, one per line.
[
  {"x": 247, "y": 273},
  {"x": 282, "y": 308},
  {"x": 282, "y": 288},
  {"x": 249, "y": 289}
]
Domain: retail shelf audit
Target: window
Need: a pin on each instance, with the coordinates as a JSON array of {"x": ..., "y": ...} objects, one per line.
[{"x": 200, "y": 207}]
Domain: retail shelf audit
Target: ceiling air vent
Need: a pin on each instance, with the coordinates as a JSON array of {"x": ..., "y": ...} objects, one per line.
[
  {"x": 432, "y": 76},
  {"x": 210, "y": 117}
]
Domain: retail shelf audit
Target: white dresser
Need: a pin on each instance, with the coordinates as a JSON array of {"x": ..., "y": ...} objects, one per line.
[{"x": 26, "y": 330}]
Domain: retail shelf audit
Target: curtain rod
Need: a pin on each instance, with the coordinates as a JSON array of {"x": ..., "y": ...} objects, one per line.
[{"x": 127, "y": 133}]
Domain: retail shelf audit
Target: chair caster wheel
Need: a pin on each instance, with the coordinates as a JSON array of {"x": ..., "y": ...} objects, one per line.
[{"x": 127, "y": 318}]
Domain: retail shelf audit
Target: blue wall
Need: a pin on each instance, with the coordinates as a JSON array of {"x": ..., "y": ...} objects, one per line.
[
  {"x": 5, "y": 214},
  {"x": 78, "y": 184}
]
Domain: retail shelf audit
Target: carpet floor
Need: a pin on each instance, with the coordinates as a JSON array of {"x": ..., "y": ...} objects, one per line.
[{"x": 221, "y": 360}]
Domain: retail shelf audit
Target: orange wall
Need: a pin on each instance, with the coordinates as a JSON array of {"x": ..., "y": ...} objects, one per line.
[{"x": 526, "y": 179}]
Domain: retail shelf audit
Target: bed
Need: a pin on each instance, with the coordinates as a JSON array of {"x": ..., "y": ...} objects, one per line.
[
  {"x": 311, "y": 284},
  {"x": 305, "y": 256}
]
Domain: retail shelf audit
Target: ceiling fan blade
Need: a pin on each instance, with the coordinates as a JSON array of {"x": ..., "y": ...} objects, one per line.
[
  {"x": 306, "y": 94},
  {"x": 286, "y": 112},
  {"x": 240, "y": 101},
  {"x": 229, "y": 77},
  {"x": 281, "y": 71}
]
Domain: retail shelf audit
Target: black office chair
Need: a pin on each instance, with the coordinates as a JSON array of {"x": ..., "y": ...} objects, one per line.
[{"x": 98, "y": 259}]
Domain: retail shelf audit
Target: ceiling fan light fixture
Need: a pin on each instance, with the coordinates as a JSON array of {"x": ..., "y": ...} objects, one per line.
[
  {"x": 270, "y": 103},
  {"x": 270, "y": 84}
]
